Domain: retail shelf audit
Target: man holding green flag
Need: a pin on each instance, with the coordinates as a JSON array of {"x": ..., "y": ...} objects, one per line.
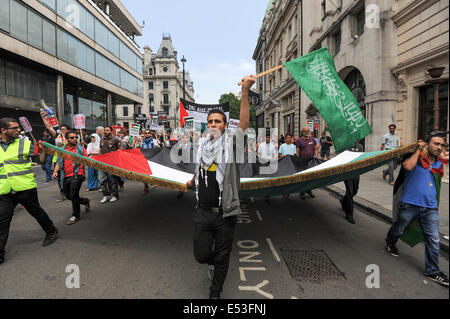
[{"x": 316, "y": 74}]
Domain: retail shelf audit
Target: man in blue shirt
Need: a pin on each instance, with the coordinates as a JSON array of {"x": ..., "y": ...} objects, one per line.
[
  {"x": 287, "y": 148},
  {"x": 148, "y": 141},
  {"x": 419, "y": 201}
]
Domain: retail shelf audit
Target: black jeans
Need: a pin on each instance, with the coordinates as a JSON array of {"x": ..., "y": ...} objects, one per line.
[
  {"x": 110, "y": 185},
  {"x": 212, "y": 229},
  {"x": 71, "y": 187},
  {"x": 29, "y": 200},
  {"x": 351, "y": 189}
]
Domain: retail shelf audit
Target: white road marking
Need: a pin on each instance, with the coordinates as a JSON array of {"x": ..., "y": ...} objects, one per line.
[
  {"x": 252, "y": 199},
  {"x": 259, "y": 215},
  {"x": 272, "y": 248}
]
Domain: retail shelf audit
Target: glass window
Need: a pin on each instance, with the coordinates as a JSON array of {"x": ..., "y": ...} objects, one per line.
[
  {"x": 125, "y": 111},
  {"x": 61, "y": 8},
  {"x": 34, "y": 30},
  {"x": 139, "y": 110},
  {"x": 49, "y": 3},
  {"x": 4, "y": 15},
  {"x": 85, "y": 107},
  {"x": 49, "y": 37},
  {"x": 14, "y": 76},
  {"x": 101, "y": 34},
  {"x": 72, "y": 50},
  {"x": 140, "y": 88},
  {"x": 90, "y": 60},
  {"x": 98, "y": 114},
  {"x": 150, "y": 71},
  {"x": 62, "y": 45},
  {"x": 89, "y": 25},
  {"x": 165, "y": 51},
  {"x": 68, "y": 109},
  {"x": 128, "y": 82},
  {"x": 165, "y": 84},
  {"x": 337, "y": 42},
  {"x": 150, "y": 85},
  {"x": 27, "y": 81},
  {"x": 18, "y": 25},
  {"x": 113, "y": 44},
  {"x": 107, "y": 70},
  {"x": 360, "y": 22},
  {"x": 166, "y": 98},
  {"x": 2, "y": 77},
  {"x": 80, "y": 54}
]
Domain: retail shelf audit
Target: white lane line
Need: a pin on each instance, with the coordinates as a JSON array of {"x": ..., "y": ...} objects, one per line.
[
  {"x": 259, "y": 215},
  {"x": 274, "y": 252}
]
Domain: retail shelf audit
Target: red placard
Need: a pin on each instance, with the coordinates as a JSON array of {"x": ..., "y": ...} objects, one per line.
[
  {"x": 79, "y": 122},
  {"x": 25, "y": 124}
]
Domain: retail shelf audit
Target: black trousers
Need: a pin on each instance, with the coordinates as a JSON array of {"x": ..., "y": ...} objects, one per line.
[
  {"x": 110, "y": 185},
  {"x": 212, "y": 229},
  {"x": 29, "y": 200},
  {"x": 71, "y": 187},
  {"x": 351, "y": 189}
]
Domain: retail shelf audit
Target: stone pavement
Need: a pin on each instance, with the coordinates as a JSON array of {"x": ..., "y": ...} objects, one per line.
[{"x": 375, "y": 196}]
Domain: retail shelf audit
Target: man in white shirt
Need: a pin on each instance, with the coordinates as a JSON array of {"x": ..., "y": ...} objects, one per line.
[
  {"x": 267, "y": 151},
  {"x": 389, "y": 142}
]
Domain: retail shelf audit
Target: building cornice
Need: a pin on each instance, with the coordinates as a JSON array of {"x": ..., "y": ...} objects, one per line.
[
  {"x": 411, "y": 10},
  {"x": 422, "y": 58}
]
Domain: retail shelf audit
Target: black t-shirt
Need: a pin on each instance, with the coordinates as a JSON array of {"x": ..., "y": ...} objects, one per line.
[
  {"x": 323, "y": 143},
  {"x": 208, "y": 196}
]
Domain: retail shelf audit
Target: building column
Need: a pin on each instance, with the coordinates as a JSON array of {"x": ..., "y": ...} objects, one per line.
[
  {"x": 109, "y": 109},
  {"x": 60, "y": 98}
]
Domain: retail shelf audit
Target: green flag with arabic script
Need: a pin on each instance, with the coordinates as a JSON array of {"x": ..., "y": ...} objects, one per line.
[{"x": 316, "y": 74}]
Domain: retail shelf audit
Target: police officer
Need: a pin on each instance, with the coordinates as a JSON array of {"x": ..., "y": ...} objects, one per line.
[{"x": 17, "y": 184}]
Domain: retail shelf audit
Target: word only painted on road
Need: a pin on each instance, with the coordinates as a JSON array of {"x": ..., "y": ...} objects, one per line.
[{"x": 248, "y": 251}]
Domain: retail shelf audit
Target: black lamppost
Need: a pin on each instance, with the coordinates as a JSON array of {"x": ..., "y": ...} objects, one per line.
[{"x": 183, "y": 60}]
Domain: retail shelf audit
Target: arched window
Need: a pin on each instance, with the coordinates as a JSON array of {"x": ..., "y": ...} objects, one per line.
[{"x": 165, "y": 52}]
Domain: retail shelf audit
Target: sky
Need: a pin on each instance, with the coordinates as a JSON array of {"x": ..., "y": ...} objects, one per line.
[{"x": 217, "y": 38}]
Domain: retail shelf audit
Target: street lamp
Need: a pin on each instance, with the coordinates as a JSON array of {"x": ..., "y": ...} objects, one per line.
[
  {"x": 183, "y": 60},
  {"x": 435, "y": 73}
]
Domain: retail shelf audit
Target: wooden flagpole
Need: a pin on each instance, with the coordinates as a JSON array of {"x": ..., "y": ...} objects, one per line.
[{"x": 265, "y": 72}]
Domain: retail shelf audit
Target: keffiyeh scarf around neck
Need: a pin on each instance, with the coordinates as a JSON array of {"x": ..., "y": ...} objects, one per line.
[{"x": 209, "y": 152}]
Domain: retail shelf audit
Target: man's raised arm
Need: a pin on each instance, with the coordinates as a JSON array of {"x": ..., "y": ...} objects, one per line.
[
  {"x": 48, "y": 126},
  {"x": 244, "y": 118}
]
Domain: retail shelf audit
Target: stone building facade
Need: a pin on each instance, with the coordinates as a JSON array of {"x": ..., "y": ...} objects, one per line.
[
  {"x": 163, "y": 81},
  {"x": 278, "y": 42},
  {"x": 423, "y": 46},
  {"x": 361, "y": 37}
]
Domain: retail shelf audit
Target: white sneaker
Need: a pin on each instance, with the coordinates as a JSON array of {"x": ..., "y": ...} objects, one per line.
[
  {"x": 113, "y": 199},
  {"x": 105, "y": 199}
]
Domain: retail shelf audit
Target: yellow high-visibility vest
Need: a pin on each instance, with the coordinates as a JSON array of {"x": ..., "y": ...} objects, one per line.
[{"x": 16, "y": 172}]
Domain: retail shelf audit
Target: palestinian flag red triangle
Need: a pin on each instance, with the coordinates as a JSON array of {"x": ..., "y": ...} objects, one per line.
[
  {"x": 132, "y": 160},
  {"x": 183, "y": 113}
]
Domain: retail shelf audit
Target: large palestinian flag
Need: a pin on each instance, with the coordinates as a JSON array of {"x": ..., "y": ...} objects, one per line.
[{"x": 293, "y": 175}]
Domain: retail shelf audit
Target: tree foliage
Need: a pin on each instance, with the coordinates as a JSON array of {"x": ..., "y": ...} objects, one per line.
[{"x": 235, "y": 108}]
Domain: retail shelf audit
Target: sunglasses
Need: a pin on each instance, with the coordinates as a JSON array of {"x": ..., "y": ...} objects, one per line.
[
  {"x": 72, "y": 137},
  {"x": 15, "y": 128}
]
